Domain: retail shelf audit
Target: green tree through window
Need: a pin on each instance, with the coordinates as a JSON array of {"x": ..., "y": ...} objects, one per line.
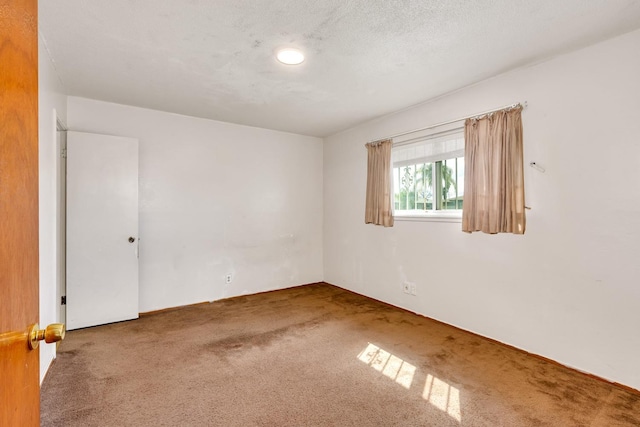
[
  {"x": 429, "y": 186},
  {"x": 428, "y": 172}
]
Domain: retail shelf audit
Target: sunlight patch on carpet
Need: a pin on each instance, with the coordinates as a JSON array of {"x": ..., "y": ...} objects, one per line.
[
  {"x": 437, "y": 392},
  {"x": 389, "y": 365},
  {"x": 442, "y": 396}
]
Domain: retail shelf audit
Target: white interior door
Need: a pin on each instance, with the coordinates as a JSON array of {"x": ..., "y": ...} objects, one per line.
[{"x": 102, "y": 229}]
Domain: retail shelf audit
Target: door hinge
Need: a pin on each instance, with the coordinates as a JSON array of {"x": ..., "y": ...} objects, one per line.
[
  {"x": 63, "y": 300},
  {"x": 63, "y": 154}
]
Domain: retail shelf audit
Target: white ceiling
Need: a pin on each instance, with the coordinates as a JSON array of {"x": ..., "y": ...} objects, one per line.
[{"x": 365, "y": 58}]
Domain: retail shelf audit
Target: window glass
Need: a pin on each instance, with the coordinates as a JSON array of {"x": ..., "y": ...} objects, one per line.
[{"x": 428, "y": 174}]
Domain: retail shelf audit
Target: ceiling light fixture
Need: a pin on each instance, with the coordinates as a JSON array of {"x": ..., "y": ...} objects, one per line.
[{"x": 290, "y": 56}]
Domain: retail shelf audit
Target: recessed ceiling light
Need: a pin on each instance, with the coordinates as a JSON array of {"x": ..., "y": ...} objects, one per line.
[{"x": 290, "y": 56}]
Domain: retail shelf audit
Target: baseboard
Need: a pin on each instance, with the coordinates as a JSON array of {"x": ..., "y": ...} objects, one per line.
[
  {"x": 44, "y": 378},
  {"x": 537, "y": 356},
  {"x": 168, "y": 309},
  {"x": 178, "y": 307}
]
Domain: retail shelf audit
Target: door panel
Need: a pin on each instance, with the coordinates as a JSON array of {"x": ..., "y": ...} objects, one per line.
[
  {"x": 102, "y": 215},
  {"x": 19, "y": 366}
]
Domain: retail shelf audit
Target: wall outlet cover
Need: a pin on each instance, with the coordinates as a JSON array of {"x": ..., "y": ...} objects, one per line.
[{"x": 406, "y": 287}]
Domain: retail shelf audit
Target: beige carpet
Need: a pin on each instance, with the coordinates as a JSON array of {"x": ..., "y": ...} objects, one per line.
[{"x": 312, "y": 356}]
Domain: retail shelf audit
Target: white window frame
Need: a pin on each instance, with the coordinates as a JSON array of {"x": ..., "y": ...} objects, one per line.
[{"x": 448, "y": 215}]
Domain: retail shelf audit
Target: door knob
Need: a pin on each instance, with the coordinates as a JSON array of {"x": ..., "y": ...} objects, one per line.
[
  {"x": 52, "y": 333},
  {"x": 132, "y": 239}
]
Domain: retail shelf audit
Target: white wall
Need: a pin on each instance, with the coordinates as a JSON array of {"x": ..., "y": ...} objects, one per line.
[
  {"x": 52, "y": 102},
  {"x": 569, "y": 289},
  {"x": 217, "y": 198}
]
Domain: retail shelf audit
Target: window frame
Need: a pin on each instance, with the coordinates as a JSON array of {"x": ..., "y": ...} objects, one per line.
[{"x": 434, "y": 215}]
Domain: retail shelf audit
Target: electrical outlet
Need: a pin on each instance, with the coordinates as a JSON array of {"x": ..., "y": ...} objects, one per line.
[
  {"x": 413, "y": 289},
  {"x": 406, "y": 287},
  {"x": 228, "y": 278}
]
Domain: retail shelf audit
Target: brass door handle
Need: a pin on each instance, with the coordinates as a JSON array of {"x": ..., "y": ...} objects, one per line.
[{"x": 52, "y": 333}]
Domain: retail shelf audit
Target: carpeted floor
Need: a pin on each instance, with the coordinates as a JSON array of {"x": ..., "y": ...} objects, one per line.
[{"x": 312, "y": 356}]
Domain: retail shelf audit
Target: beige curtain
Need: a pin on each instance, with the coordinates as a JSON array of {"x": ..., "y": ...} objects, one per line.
[
  {"x": 494, "y": 177},
  {"x": 378, "y": 203}
]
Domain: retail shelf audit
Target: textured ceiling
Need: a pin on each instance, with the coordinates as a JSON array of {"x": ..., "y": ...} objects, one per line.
[{"x": 365, "y": 58}]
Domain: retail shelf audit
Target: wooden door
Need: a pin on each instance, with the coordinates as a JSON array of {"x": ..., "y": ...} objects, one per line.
[{"x": 19, "y": 377}]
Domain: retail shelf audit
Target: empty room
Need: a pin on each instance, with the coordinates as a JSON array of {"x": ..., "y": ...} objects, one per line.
[{"x": 329, "y": 213}]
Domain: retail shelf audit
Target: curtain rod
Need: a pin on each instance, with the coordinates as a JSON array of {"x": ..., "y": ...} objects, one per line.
[{"x": 448, "y": 122}]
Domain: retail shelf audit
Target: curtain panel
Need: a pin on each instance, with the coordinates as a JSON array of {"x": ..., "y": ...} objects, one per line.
[
  {"x": 378, "y": 209},
  {"x": 494, "y": 174}
]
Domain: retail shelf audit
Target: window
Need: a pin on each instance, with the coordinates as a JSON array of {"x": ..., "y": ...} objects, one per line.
[{"x": 428, "y": 174}]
